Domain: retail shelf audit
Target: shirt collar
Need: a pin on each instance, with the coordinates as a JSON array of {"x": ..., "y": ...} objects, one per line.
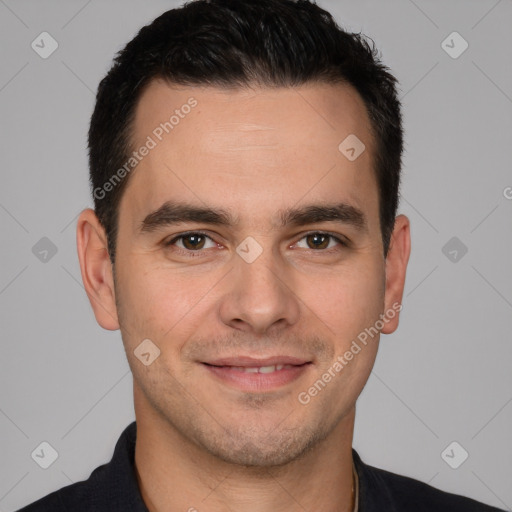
[{"x": 116, "y": 481}]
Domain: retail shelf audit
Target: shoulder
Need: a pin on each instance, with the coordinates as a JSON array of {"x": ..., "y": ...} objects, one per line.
[
  {"x": 402, "y": 493},
  {"x": 110, "y": 487},
  {"x": 77, "y": 497}
]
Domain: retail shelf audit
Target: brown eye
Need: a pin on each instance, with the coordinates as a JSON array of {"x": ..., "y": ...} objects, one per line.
[
  {"x": 318, "y": 241},
  {"x": 323, "y": 242},
  {"x": 193, "y": 241}
]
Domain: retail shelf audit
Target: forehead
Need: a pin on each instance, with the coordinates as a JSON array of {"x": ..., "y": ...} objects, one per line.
[
  {"x": 251, "y": 148},
  {"x": 258, "y": 113}
]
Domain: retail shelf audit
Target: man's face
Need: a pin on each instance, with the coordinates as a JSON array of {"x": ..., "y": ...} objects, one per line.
[{"x": 257, "y": 293}]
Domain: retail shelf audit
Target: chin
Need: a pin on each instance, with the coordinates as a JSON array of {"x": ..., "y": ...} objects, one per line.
[{"x": 256, "y": 448}]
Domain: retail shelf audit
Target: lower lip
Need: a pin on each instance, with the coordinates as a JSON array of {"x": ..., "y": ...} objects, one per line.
[{"x": 257, "y": 381}]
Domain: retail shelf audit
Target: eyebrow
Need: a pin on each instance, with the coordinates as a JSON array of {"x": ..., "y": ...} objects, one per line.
[{"x": 172, "y": 212}]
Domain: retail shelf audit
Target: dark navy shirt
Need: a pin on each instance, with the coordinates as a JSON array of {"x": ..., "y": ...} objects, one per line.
[{"x": 113, "y": 487}]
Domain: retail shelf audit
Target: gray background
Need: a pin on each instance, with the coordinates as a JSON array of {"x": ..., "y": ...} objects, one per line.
[{"x": 444, "y": 376}]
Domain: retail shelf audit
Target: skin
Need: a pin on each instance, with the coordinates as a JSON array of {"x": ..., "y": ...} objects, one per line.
[{"x": 201, "y": 443}]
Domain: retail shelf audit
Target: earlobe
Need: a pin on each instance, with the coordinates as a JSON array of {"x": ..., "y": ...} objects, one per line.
[
  {"x": 96, "y": 269},
  {"x": 396, "y": 267}
]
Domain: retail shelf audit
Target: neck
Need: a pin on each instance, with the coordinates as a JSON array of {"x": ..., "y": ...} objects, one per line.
[{"x": 175, "y": 474}]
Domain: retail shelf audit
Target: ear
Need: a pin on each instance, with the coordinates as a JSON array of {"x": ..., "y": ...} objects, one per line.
[
  {"x": 96, "y": 269},
  {"x": 396, "y": 266}
]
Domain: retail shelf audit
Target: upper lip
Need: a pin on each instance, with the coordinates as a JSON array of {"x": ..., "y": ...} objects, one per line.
[{"x": 252, "y": 362}]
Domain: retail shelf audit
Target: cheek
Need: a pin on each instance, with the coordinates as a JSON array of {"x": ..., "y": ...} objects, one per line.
[
  {"x": 159, "y": 303},
  {"x": 347, "y": 300}
]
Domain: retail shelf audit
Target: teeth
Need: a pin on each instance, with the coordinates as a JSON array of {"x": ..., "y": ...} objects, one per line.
[
  {"x": 267, "y": 369},
  {"x": 261, "y": 369}
]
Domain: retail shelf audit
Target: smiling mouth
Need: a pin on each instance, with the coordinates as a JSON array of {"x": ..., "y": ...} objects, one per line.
[
  {"x": 248, "y": 376},
  {"x": 258, "y": 369}
]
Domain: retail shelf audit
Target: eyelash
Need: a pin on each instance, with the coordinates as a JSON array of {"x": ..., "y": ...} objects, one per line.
[{"x": 198, "y": 253}]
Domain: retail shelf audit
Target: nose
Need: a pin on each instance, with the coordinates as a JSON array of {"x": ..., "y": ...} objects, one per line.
[{"x": 260, "y": 296}]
